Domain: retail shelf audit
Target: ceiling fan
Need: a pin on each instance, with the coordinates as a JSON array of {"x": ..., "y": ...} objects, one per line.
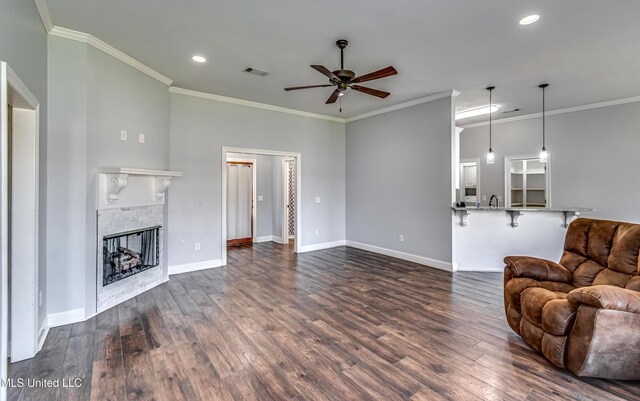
[{"x": 344, "y": 79}]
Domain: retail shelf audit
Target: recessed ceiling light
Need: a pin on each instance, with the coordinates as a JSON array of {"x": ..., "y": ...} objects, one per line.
[
  {"x": 199, "y": 59},
  {"x": 478, "y": 111},
  {"x": 530, "y": 19}
]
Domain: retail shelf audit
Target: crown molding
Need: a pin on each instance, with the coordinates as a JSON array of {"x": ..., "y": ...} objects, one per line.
[
  {"x": 211, "y": 96},
  {"x": 45, "y": 14},
  {"x": 558, "y": 111},
  {"x": 110, "y": 50},
  {"x": 426, "y": 99}
]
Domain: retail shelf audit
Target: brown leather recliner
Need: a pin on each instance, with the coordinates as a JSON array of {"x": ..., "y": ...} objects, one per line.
[{"x": 583, "y": 313}]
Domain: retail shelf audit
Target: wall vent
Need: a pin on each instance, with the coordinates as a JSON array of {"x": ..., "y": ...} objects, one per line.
[
  {"x": 255, "y": 71},
  {"x": 510, "y": 111}
]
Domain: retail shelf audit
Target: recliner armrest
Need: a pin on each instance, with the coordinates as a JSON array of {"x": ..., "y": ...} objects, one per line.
[
  {"x": 538, "y": 269},
  {"x": 606, "y": 297}
]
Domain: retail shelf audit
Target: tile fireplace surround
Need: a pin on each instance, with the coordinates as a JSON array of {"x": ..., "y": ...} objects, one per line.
[
  {"x": 119, "y": 220},
  {"x": 130, "y": 200}
]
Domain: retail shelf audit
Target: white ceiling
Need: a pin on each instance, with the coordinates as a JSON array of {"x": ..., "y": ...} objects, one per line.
[{"x": 588, "y": 50}]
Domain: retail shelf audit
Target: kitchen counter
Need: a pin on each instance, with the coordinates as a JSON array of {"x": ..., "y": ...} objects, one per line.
[{"x": 515, "y": 212}]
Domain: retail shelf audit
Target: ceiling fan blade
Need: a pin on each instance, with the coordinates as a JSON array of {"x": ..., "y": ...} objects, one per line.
[
  {"x": 295, "y": 88},
  {"x": 325, "y": 71},
  {"x": 383, "y": 73},
  {"x": 369, "y": 91},
  {"x": 333, "y": 97}
]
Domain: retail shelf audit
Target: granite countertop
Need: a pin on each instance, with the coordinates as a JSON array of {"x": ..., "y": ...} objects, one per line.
[{"x": 525, "y": 209}]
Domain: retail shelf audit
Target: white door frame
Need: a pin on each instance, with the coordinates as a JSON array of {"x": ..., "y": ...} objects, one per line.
[
  {"x": 223, "y": 217},
  {"x": 254, "y": 205},
  {"x": 24, "y": 295},
  {"x": 285, "y": 198}
]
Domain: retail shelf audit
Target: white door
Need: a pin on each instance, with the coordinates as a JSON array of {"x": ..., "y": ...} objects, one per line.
[{"x": 239, "y": 203}]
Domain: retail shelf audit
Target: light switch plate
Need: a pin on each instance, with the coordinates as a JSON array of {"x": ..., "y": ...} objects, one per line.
[
  {"x": 141, "y": 138},
  {"x": 260, "y": 198},
  {"x": 317, "y": 199},
  {"x": 123, "y": 135}
]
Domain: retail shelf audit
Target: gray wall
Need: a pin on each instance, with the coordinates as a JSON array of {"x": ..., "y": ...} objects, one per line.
[
  {"x": 592, "y": 152},
  {"x": 23, "y": 45},
  {"x": 399, "y": 180},
  {"x": 93, "y": 97},
  {"x": 199, "y": 130}
]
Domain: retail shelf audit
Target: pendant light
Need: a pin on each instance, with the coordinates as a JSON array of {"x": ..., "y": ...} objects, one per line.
[
  {"x": 491, "y": 157},
  {"x": 544, "y": 153}
]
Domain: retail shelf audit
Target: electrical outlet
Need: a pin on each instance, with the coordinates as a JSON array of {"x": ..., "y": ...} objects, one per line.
[
  {"x": 317, "y": 199},
  {"x": 123, "y": 135},
  {"x": 40, "y": 298},
  {"x": 260, "y": 198},
  {"x": 141, "y": 138},
  {"x": 401, "y": 237},
  {"x": 317, "y": 231},
  {"x": 484, "y": 197},
  {"x": 197, "y": 247}
]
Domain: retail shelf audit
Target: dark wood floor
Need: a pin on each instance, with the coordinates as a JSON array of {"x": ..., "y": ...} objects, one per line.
[{"x": 340, "y": 324}]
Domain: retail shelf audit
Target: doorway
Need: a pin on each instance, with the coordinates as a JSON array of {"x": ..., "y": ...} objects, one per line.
[
  {"x": 289, "y": 199},
  {"x": 277, "y": 230},
  {"x": 19, "y": 292},
  {"x": 241, "y": 193}
]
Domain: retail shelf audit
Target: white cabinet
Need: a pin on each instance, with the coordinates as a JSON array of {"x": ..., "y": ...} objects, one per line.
[
  {"x": 470, "y": 181},
  {"x": 527, "y": 182},
  {"x": 470, "y": 176}
]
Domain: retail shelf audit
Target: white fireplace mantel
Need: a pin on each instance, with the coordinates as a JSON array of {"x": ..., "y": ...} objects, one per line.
[{"x": 125, "y": 187}]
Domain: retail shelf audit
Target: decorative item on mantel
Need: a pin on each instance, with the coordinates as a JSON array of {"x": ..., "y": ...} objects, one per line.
[{"x": 112, "y": 182}]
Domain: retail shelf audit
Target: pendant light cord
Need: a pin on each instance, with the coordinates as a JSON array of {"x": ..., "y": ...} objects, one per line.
[
  {"x": 544, "y": 122},
  {"x": 490, "y": 89}
]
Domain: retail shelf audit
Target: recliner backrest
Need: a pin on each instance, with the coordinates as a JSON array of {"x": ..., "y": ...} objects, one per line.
[{"x": 603, "y": 252}]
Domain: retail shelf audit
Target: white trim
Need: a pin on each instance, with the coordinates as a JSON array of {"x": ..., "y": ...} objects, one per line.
[
  {"x": 264, "y": 238},
  {"x": 242, "y": 102},
  {"x": 493, "y": 270},
  {"x": 323, "y": 245},
  {"x": 42, "y": 334},
  {"x": 438, "y": 264},
  {"x": 410, "y": 103},
  {"x": 45, "y": 14},
  {"x": 191, "y": 267},
  {"x": 558, "y": 111},
  {"x": 66, "y": 317},
  {"x": 110, "y": 50},
  {"x": 277, "y": 239},
  {"x": 4, "y": 231}
]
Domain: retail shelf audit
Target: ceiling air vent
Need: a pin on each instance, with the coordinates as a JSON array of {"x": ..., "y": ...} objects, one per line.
[
  {"x": 255, "y": 71},
  {"x": 510, "y": 111}
]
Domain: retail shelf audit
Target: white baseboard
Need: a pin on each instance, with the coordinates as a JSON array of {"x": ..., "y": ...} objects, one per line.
[
  {"x": 42, "y": 333},
  {"x": 480, "y": 270},
  {"x": 279, "y": 240},
  {"x": 438, "y": 264},
  {"x": 66, "y": 317},
  {"x": 265, "y": 238},
  {"x": 323, "y": 245},
  {"x": 191, "y": 267}
]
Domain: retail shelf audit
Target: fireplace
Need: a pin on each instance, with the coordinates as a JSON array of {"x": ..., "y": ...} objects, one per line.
[{"x": 128, "y": 253}]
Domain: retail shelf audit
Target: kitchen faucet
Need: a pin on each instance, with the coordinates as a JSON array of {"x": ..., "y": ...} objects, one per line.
[{"x": 491, "y": 201}]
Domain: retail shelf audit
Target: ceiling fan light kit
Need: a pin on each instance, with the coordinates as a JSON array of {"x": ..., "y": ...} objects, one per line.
[{"x": 344, "y": 79}]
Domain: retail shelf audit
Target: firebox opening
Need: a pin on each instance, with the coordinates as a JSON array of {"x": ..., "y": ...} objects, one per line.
[{"x": 129, "y": 253}]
